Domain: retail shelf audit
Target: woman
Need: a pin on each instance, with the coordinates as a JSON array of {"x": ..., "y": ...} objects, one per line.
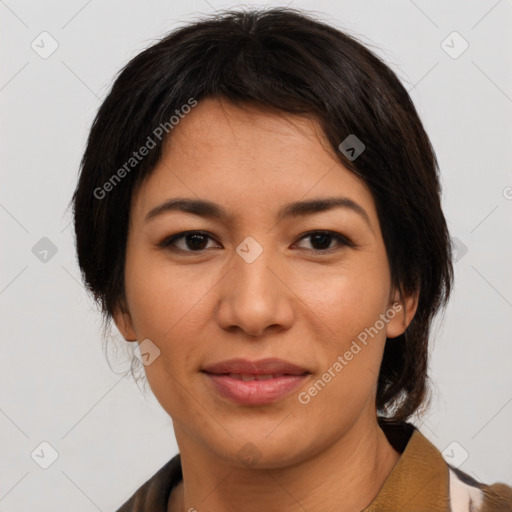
[{"x": 259, "y": 207}]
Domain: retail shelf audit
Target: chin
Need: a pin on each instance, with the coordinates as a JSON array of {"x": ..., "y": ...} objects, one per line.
[{"x": 255, "y": 448}]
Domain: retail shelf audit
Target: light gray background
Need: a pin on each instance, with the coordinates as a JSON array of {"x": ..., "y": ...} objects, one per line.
[{"x": 56, "y": 385}]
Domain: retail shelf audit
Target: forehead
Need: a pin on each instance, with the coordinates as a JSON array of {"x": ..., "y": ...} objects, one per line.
[
  {"x": 243, "y": 122},
  {"x": 244, "y": 157}
]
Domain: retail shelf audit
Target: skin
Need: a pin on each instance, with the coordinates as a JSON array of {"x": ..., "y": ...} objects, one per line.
[{"x": 203, "y": 307}]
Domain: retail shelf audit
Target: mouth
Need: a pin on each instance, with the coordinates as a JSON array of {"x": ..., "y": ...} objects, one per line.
[
  {"x": 247, "y": 377},
  {"x": 260, "y": 367},
  {"x": 255, "y": 382}
]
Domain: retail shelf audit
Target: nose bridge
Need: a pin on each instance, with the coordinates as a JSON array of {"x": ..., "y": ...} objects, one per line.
[
  {"x": 253, "y": 262},
  {"x": 253, "y": 298},
  {"x": 254, "y": 278}
]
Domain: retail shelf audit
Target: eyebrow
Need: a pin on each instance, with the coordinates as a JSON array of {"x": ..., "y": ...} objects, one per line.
[{"x": 208, "y": 209}]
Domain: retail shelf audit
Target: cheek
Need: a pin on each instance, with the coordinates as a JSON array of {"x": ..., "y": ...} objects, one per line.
[
  {"x": 347, "y": 299},
  {"x": 349, "y": 302},
  {"x": 162, "y": 296},
  {"x": 165, "y": 305},
  {"x": 351, "y": 353}
]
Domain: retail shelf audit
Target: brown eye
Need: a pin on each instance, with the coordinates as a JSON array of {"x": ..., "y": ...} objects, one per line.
[
  {"x": 189, "y": 241},
  {"x": 321, "y": 241},
  {"x": 196, "y": 241}
]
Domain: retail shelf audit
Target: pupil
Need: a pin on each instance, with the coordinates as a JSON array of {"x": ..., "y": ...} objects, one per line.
[
  {"x": 323, "y": 238},
  {"x": 194, "y": 241}
]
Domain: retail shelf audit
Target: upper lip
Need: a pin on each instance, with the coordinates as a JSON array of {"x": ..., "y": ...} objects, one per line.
[{"x": 259, "y": 367}]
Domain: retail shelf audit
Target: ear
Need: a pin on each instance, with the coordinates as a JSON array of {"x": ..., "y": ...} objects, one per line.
[
  {"x": 123, "y": 321},
  {"x": 402, "y": 308}
]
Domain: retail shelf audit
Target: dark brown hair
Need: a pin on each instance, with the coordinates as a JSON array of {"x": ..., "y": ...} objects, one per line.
[{"x": 286, "y": 60}]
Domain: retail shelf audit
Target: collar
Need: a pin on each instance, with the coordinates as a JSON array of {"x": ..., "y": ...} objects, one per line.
[
  {"x": 418, "y": 482},
  {"x": 420, "y": 479}
]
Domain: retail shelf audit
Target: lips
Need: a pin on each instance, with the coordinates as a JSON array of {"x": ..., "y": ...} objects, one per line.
[
  {"x": 247, "y": 377},
  {"x": 269, "y": 366},
  {"x": 255, "y": 382}
]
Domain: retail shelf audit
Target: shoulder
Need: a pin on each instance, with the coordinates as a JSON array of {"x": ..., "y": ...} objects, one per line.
[
  {"x": 153, "y": 495},
  {"x": 423, "y": 480},
  {"x": 469, "y": 495}
]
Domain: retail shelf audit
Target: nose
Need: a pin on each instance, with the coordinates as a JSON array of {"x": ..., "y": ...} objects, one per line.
[{"x": 254, "y": 296}]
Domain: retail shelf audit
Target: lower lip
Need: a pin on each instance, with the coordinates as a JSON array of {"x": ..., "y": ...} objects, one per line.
[{"x": 255, "y": 392}]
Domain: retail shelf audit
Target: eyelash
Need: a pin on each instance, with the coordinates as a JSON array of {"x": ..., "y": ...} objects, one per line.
[{"x": 342, "y": 240}]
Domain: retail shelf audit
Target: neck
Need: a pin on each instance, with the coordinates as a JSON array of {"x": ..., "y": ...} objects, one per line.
[{"x": 347, "y": 476}]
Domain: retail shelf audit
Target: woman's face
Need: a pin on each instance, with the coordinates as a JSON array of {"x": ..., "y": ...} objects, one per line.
[{"x": 254, "y": 284}]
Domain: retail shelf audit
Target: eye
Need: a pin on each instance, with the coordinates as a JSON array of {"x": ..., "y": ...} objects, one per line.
[
  {"x": 321, "y": 241},
  {"x": 192, "y": 241},
  {"x": 197, "y": 241}
]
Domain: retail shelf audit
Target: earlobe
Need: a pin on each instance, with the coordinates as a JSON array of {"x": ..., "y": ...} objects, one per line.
[
  {"x": 123, "y": 321},
  {"x": 400, "y": 313}
]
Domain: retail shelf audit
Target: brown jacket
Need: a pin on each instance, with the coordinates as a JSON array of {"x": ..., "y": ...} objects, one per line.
[{"x": 421, "y": 481}]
